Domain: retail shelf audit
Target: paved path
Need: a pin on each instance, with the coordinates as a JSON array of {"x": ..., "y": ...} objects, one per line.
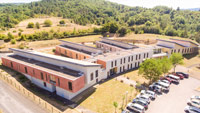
[
  {"x": 126, "y": 81},
  {"x": 12, "y": 101}
]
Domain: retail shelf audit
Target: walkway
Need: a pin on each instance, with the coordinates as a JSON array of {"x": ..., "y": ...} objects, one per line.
[{"x": 13, "y": 102}]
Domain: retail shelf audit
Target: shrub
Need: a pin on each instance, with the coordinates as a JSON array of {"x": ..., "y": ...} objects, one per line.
[
  {"x": 30, "y": 25},
  {"x": 47, "y": 23},
  {"x": 54, "y": 50},
  {"x": 14, "y": 31},
  {"x": 13, "y": 41},
  {"x": 62, "y": 22},
  {"x": 20, "y": 30},
  {"x": 22, "y": 78},
  {"x": 37, "y": 25},
  {"x": 21, "y": 46}
]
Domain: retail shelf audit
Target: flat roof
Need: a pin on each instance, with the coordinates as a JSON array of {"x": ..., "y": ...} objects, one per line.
[
  {"x": 59, "y": 58},
  {"x": 120, "y": 46},
  {"x": 62, "y": 72},
  {"x": 121, "y": 54},
  {"x": 171, "y": 41},
  {"x": 184, "y": 41}
]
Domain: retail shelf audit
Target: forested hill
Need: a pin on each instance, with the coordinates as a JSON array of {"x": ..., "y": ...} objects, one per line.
[{"x": 159, "y": 20}]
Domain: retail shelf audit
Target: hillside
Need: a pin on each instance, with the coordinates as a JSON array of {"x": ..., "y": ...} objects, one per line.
[{"x": 158, "y": 20}]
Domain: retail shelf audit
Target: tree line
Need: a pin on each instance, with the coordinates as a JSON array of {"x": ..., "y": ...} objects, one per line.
[{"x": 157, "y": 20}]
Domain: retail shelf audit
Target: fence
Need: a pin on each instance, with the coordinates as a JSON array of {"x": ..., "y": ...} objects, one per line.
[{"x": 14, "y": 83}]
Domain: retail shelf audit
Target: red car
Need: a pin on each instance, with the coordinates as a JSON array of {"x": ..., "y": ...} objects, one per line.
[
  {"x": 179, "y": 75},
  {"x": 166, "y": 78}
]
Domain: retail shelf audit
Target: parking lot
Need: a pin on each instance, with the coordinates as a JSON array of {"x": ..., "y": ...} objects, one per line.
[{"x": 176, "y": 100}]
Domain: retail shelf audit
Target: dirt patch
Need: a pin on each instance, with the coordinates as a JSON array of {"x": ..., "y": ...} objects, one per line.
[{"x": 55, "y": 26}]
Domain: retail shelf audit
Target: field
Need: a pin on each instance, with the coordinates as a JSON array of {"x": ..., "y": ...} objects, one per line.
[
  {"x": 50, "y": 43},
  {"x": 55, "y": 20},
  {"x": 106, "y": 93}
]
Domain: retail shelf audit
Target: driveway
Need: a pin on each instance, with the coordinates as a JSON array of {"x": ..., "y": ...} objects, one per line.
[
  {"x": 13, "y": 102},
  {"x": 176, "y": 100}
]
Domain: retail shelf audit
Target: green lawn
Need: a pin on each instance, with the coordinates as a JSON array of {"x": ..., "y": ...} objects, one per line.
[{"x": 102, "y": 99}]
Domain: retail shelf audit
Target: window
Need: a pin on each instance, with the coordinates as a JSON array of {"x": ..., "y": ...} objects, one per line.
[
  {"x": 147, "y": 55},
  {"x": 115, "y": 62},
  {"x": 139, "y": 56},
  {"x": 45, "y": 85},
  {"x": 171, "y": 51},
  {"x": 121, "y": 61},
  {"x": 11, "y": 64},
  {"x": 33, "y": 72},
  {"x": 120, "y": 69},
  {"x": 129, "y": 59},
  {"x": 136, "y": 64},
  {"x": 91, "y": 76},
  {"x": 178, "y": 50},
  {"x": 112, "y": 64},
  {"x": 52, "y": 79},
  {"x": 128, "y": 66},
  {"x": 65, "y": 52},
  {"x": 84, "y": 57},
  {"x": 70, "y": 85},
  {"x": 42, "y": 77},
  {"x": 46, "y": 77},
  {"x": 136, "y": 57},
  {"x": 182, "y": 50},
  {"x": 58, "y": 82},
  {"x": 26, "y": 71},
  {"x": 131, "y": 66},
  {"x": 124, "y": 60},
  {"x": 175, "y": 51},
  {"x": 96, "y": 73},
  {"x": 132, "y": 58},
  {"x": 144, "y": 55}
]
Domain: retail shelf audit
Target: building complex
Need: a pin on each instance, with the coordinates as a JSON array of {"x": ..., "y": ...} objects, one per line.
[{"x": 79, "y": 66}]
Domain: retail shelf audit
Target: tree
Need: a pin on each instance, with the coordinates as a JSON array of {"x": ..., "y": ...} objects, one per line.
[
  {"x": 151, "y": 69},
  {"x": 30, "y": 25},
  {"x": 122, "y": 31},
  {"x": 47, "y": 23},
  {"x": 166, "y": 65},
  {"x": 115, "y": 104},
  {"x": 176, "y": 59},
  {"x": 62, "y": 22},
  {"x": 148, "y": 23},
  {"x": 113, "y": 27},
  {"x": 37, "y": 25}
]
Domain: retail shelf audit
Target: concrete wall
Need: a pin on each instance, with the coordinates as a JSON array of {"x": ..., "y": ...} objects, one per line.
[{"x": 107, "y": 47}]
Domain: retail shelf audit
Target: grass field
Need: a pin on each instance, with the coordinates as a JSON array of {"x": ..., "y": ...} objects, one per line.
[
  {"x": 111, "y": 91},
  {"x": 55, "y": 20}
]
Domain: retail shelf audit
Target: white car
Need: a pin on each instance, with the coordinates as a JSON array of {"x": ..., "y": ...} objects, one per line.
[
  {"x": 191, "y": 109},
  {"x": 135, "y": 108},
  {"x": 165, "y": 87},
  {"x": 165, "y": 81},
  {"x": 194, "y": 102},
  {"x": 195, "y": 97},
  {"x": 144, "y": 97},
  {"x": 150, "y": 93}
]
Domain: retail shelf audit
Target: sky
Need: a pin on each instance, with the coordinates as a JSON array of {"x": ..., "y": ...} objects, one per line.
[{"x": 183, "y": 4}]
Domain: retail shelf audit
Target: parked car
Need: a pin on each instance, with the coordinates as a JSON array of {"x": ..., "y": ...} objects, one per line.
[
  {"x": 150, "y": 93},
  {"x": 166, "y": 78},
  {"x": 144, "y": 97},
  {"x": 165, "y": 87},
  {"x": 179, "y": 75},
  {"x": 165, "y": 81},
  {"x": 191, "y": 109},
  {"x": 194, "y": 102},
  {"x": 186, "y": 75},
  {"x": 174, "y": 78},
  {"x": 156, "y": 88},
  {"x": 196, "y": 97},
  {"x": 141, "y": 102},
  {"x": 136, "y": 108},
  {"x": 126, "y": 111}
]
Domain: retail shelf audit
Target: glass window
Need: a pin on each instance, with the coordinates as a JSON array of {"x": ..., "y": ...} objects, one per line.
[
  {"x": 42, "y": 77},
  {"x": 26, "y": 71},
  {"x": 97, "y": 74},
  {"x": 70, "y": 85},
  {"x": 91, "y": 76}
]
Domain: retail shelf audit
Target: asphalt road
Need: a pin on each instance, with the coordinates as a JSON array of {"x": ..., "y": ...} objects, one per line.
[
  {"x": 13, "y": 102},
  {"x": 176, "y": 100}
]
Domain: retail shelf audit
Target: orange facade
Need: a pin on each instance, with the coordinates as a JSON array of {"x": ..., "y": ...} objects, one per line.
[
  {"x": 103, "y": 63},
  {"x": 71, "y": 53},
  {"x": 36, "y": 73}
]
